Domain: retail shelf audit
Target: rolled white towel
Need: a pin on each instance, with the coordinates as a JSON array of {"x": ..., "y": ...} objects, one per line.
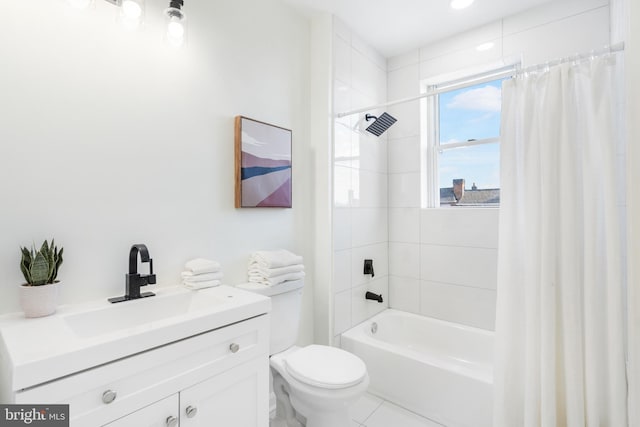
[
  {"x": 275, "y": 259},
  {"x": 201, "y": 265},
  {"x": 255, "y": 269},
  {"x": 188, "y": 276},
  {"x": 201, "y": 285},
  {"x": 276, "y": 280}
]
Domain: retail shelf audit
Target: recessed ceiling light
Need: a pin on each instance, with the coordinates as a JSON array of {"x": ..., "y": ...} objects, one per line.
[
  {"x": 460, "y": 4},
  {"x": 485, "y": 46}
]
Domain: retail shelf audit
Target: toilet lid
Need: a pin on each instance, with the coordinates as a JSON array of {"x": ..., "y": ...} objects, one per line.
[{"x": 326, "y": 367}]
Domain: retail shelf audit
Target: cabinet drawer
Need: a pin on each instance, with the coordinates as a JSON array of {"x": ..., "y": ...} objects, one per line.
[{"x": 148, "y": 377}]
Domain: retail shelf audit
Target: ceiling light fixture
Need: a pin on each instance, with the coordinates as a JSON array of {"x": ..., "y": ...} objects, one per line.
[
  {"x": 132, "y": 13},
  {"x": 176, "y": 23},
  {"x": 460, "y": 4},
  {"x": 485, "y": 46}
]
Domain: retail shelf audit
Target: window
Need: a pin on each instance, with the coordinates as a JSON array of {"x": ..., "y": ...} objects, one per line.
[{"x": 464, "y": 141}]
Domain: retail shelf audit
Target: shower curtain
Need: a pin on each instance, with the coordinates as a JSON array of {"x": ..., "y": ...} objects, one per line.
[{"x": 560, "y": 338}]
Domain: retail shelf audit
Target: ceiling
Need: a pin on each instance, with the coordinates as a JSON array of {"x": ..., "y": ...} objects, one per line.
[{"x": 396, "y": 26}]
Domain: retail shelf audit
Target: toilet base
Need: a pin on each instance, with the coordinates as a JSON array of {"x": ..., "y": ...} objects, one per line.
[{"x": 311, "y": 410}]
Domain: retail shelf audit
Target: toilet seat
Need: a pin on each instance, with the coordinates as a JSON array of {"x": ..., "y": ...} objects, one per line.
[{"x": 325, "y": 367}]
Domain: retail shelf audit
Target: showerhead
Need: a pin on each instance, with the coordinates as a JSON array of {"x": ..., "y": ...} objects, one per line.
[{"x": 381, "y": 123}]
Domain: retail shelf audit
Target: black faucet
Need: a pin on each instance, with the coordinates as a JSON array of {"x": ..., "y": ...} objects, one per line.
[
  {"x": 374, "y": 297},
  {"x": 135, "y": 281}
]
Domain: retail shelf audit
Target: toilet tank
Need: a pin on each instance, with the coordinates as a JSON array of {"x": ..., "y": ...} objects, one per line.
[{"x": 286, "y": 303}]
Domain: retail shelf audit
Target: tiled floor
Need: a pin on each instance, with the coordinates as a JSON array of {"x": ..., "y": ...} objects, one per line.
[{"x": 372, "y": 411}]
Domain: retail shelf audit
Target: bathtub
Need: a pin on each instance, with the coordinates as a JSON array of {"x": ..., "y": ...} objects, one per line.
[{"x": 437, "y": 369}]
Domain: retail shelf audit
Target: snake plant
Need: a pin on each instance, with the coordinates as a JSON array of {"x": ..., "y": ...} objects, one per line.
[{"x": 41, "y": 267}]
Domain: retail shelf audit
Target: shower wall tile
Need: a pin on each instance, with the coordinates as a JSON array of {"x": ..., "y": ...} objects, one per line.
[
  {"x": 341, "y": 60},
  {"x": 461, "y": 42},
  {"x": 404, "y": 225},
  {"x": 360, "y": 217},
  {"x": 341, "y": 29},
  {"x": 369, "y": 226},
  {"x": 555, "y": 40},
  {"x": 408, "y": 124},
  {"x": 342, "y": 143},
  {"x": 404, "y": 154},
  {"x": 373, "y": 189},
  {"x": 462, "y": 62},
  {"x": 379, "y": 253},
  {"x": 458, "y": 247},
  {"x": 551, "y": 12},
  {"x": 404, "y": 294},
  {"x": 404, "y": 190},
  {"x": 403, "y": 60},
  {"x": 371, "y": 54},
  {"x": 342, "y": 311},
  {"x": 469, "y": 227},
  {"x": 341, "y": 228},
  {"x": 372, "y": 153},
  {"x": 473, "y": 267},
  {"x": 342, "y": 270},
  {"x": 361, "y": 308},
  {"x": 460, "y": 304},
  {"x": 404, "y": 260},
  {"x": 404, "y": 82},
  {"x": 343, "y": 189},
  {"x": 368, "y": 78}
]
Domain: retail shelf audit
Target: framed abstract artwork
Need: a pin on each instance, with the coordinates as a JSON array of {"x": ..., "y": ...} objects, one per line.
[{"x": 263, "y": 164}]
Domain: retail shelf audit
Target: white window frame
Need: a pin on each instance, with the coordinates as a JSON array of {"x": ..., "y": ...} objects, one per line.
[{"x": 430, "y": 122}]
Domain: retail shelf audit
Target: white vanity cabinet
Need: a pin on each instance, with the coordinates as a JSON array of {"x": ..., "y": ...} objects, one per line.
[
  {"x": 160, "y": 414},
  {"x": 231, "y": 399},
  {"x": 220, "y": 377}
]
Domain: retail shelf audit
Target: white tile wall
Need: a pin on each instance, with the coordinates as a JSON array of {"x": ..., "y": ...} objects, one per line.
[
  {"x": 404, "y": 294},
  {"x": 342, "y": 270},
  {"x": 341, "y": 312},
  {"x": 379, "y": 253},
  {"x": 341, "y": 229},
  {"x": 552, "y": 40},
  {"x": 361, "y": 308},
  {"x": 404, "y": 260},
  {"x": 459, "y": 265},
  {"x": 456, "y": 249},
  {"x": 360, "y": 220},
  {"x": 404, "y": 190},
  {"x": 404, "y": 225},
  {"x": 469, "y": 227},
  {"x": 402, "y": 154},
  {"x": 551, "y": 12},
  {"x": 461, "y": 304}
]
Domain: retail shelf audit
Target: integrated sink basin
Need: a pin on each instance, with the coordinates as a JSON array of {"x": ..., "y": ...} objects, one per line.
[
  {"x": 83, "y": 336},
  {"x": 140, "y": 313}
]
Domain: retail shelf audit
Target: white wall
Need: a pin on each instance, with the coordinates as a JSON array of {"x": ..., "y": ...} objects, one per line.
[
  {"x": 360, "y": 228},
  {"x": 443, "y": 261},
  {"x": 109, "y": 138}
]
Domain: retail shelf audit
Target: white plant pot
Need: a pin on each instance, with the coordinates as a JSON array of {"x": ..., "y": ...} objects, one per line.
[{"x": 39, "y": 301}]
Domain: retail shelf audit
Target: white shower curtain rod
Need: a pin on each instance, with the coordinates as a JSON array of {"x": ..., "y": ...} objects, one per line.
[{"x": 487, "y": 77}]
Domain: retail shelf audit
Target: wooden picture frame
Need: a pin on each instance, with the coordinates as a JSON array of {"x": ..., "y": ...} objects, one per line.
[{"x": 263, "y": 164}]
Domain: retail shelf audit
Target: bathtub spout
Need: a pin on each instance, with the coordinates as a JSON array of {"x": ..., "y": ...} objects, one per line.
[{"x": 374, "y": 297}]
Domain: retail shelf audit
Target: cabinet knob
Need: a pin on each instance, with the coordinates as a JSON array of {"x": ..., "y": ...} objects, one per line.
[
  {"x": 234, "y": 347},
  {"x": 172, "y": 421},
  {"x": 109, "y": 396},
  {"x": 191, "y": 411}
]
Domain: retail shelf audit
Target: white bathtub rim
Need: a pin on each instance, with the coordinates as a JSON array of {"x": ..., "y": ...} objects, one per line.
[{"x": 478, "y": 371}]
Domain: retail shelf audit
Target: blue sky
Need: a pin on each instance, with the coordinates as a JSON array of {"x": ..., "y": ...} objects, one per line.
[{"x": 471, "y": 113}]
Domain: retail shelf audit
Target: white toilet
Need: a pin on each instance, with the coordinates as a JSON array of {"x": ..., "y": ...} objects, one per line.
[{"x": 314, "y": 385}]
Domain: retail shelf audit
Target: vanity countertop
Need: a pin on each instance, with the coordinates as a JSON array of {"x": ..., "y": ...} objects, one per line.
[{"x": 82, "y": 336}]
